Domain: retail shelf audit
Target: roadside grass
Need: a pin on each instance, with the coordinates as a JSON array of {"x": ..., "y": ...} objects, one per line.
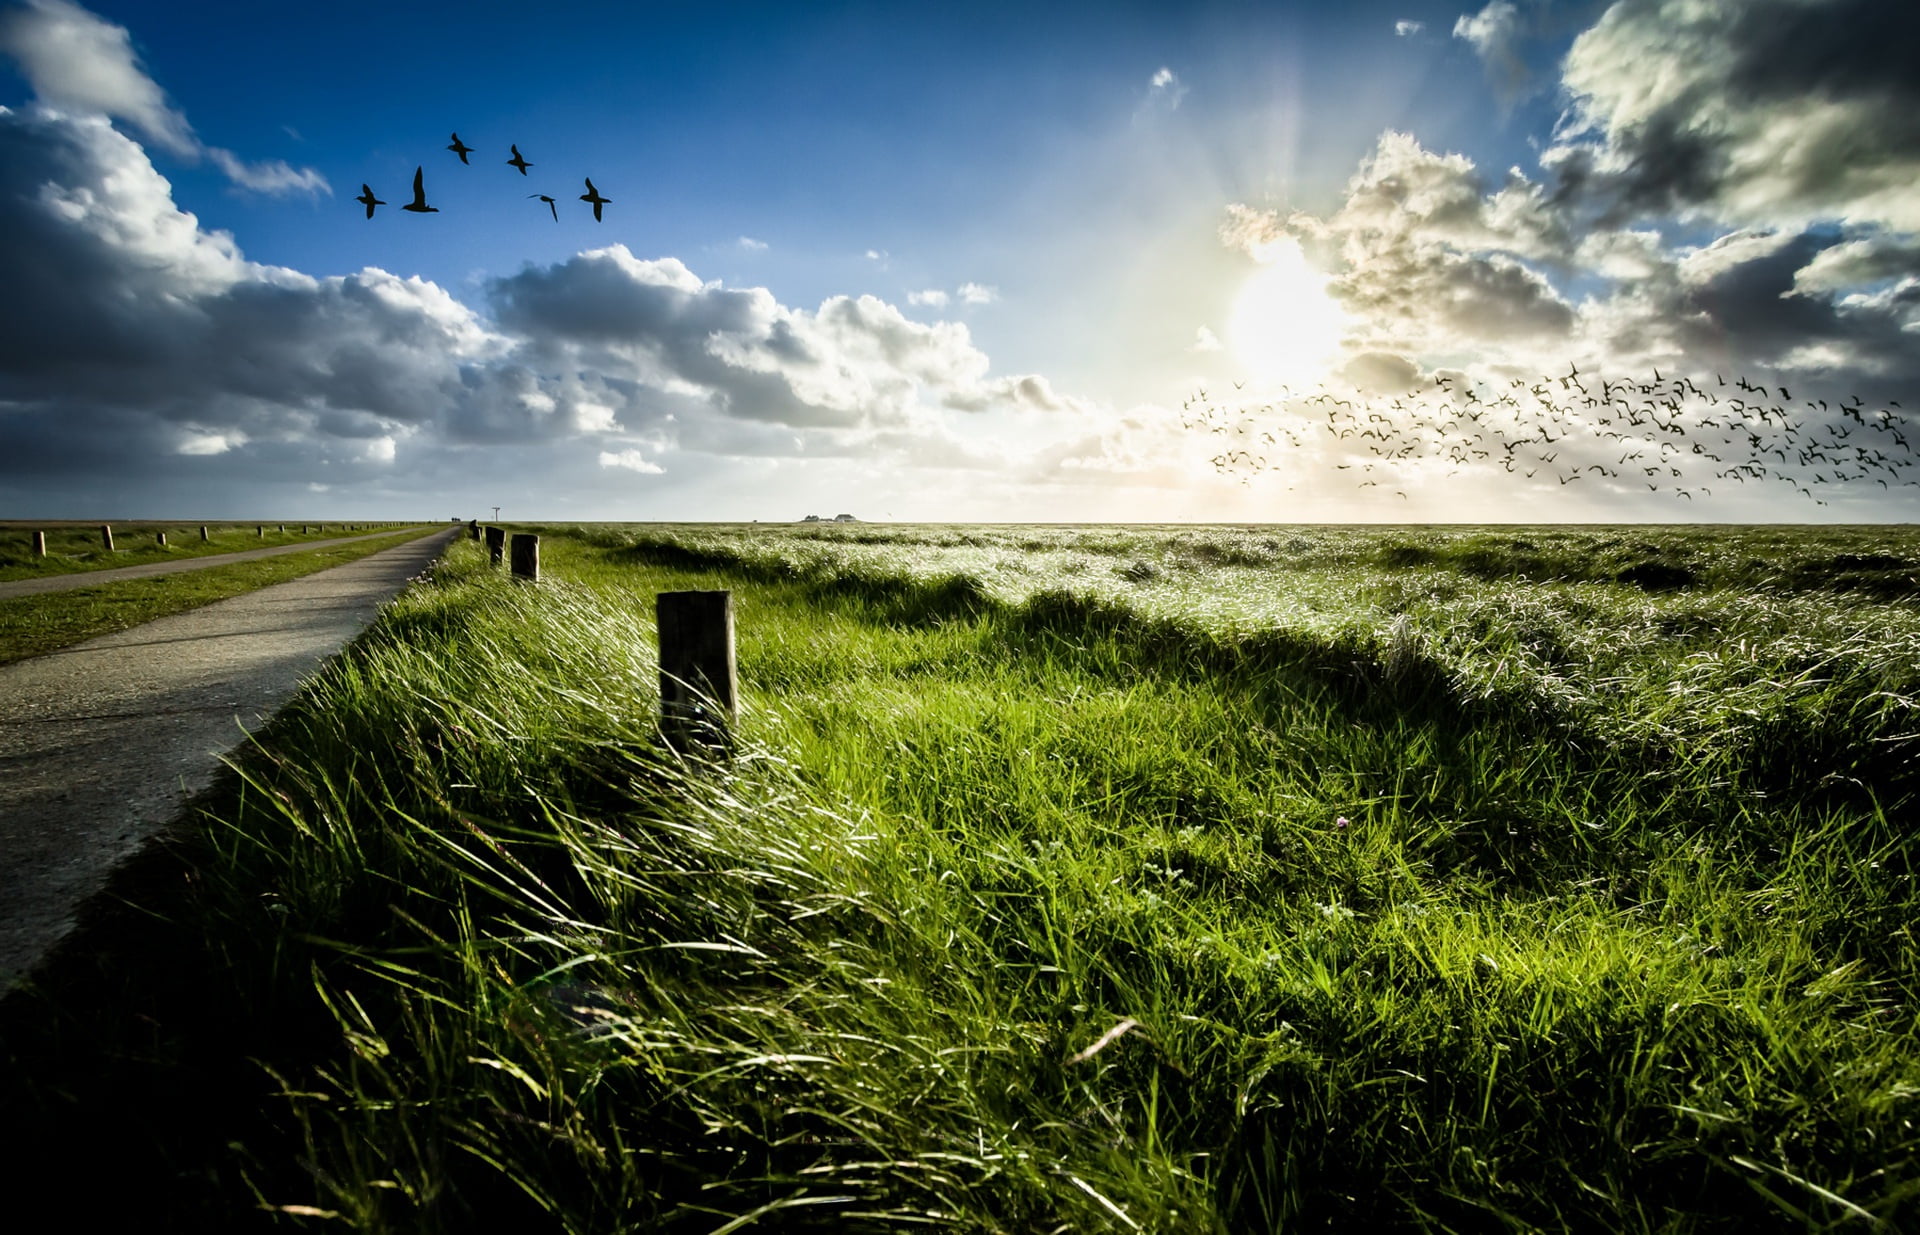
[
  {"x": 74, "y": 548},
  {"x": 1068, "y": 905},
  {"x": 35, "y": 625}
]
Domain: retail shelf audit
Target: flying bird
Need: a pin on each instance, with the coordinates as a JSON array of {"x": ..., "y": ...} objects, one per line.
[
  {"x": 367, "y": 199},
  {"x": 550, "y": 206},
  {"x": 517, "y": 161},
  {"x": 419, "y": 203},
  {"x": 461, "y": 148},
  {"x": 593, "y": 195}
]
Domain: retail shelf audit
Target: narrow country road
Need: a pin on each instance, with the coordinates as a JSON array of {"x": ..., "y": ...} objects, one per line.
[
  {"x": 146, "y": 570},
  {"x": 101, "y": 743}
]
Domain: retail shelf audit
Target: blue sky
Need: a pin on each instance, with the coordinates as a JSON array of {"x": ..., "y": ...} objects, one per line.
[{"x": 935, "y": 263}]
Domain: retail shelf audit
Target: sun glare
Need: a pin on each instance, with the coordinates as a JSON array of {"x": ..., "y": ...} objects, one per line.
[{"x": 1285, "y": 327}]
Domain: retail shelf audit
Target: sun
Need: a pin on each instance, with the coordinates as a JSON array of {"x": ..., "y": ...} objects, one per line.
[{"x": 1285, "y": 327}]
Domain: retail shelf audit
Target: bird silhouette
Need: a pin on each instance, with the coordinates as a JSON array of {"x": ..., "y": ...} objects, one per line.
[
  {"x": 367, "y": 199},
  {"x": 550, "y": 206},
  {"x": 419, "y": 203},
  {"x": 461, "y": 148},
  {"x": 517, "y": 161},
  {"x": 593, "y": 195}
]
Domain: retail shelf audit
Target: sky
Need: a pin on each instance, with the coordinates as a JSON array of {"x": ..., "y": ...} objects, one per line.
[{"x": 1055, "y": 262}]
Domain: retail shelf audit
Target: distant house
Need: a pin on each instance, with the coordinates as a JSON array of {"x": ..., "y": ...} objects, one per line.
[
  {"x": 845, "y": 519},
  {"x": 811, "y": 519},
  {"x": 835, "y": 519}
]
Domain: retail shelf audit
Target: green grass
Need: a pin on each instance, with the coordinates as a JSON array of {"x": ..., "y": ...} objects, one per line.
[
  {"x": 35, "y": 625},
  {"x": 73, "y": 548},
  {"x": 1435, "y": 891}
]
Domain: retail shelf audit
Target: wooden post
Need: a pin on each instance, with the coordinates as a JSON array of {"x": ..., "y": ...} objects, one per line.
[
  {"x": 697, "y": 680},
  {"x": 526, "y": 556},
  {"x": 260, "y": 532},
  {"x": 39, "y": 543},
  {"x": 496, "y": 542},
  {"x": 161, "y": 539},
  {"x": 283, "y": 528},
  {"x": 203, "y": 533},
  {"x": 473, "y": 530},
  {"x": 106, "y": 537}
]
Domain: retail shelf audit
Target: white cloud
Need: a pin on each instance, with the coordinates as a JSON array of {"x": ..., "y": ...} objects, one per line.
[
  {"x": 932, "y": 297},
  {"x": 751, "y": 245},
  {"x": 1496, "y": 32},
  {"x": 270, "y": 176},
  {"x": 1403, "y": 27},
  {"x": 630, "y": 460},
  {"x": 1204, "y": 340},
  {"x": 207, "y": 443},
  {"x": 1165, "y": 89},
  {"x": 977, "y": 293},
  {"x": 79, "y": 62}
]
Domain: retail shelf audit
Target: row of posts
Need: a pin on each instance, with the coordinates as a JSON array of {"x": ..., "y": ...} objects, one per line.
[
  {"x": 699, "y": 682},
  {"x": 523, "y": 551},
  {"x": 259, "y": 532}
]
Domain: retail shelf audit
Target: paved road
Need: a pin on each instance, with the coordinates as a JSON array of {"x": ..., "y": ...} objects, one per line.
[
  {"x": 88, "y": 578},
  {"x": 101, "y": 743}
]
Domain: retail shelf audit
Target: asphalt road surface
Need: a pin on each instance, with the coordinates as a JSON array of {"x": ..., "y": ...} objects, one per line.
[
  {"x": 146, "y": 570},
  {"x": 101, "y": 743}
]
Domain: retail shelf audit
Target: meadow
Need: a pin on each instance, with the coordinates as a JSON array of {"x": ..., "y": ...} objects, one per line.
[
  {"x": 1104, "y": 878},
  {"x": 38, "y": 624},
  {"x": 72, "y": 547}
]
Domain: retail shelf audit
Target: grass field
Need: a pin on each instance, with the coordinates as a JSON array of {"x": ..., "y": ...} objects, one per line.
[
  {"x": 79, "y": 547},
  {"x": 1156, "y": 879},
  {"x": 33, "y": 625}
]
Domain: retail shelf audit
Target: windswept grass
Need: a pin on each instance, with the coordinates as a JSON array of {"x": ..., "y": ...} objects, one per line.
[{"x": 1045, "y": 899}]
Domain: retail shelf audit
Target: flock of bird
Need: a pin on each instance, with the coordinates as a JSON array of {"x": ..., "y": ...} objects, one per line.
[
  {"x": 419, "y": 203},
  {"x": 1668, "y": 433}
]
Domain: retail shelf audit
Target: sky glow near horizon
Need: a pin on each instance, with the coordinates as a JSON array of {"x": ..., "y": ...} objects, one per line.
[{"x": 916, "y": 265}]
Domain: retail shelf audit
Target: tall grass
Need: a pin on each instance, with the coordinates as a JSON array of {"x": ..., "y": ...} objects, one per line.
[{"x": 1076, "y": 905}]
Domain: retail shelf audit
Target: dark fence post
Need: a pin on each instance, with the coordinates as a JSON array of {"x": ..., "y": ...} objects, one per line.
[
  {"x": 526, "y": 556},
  {"x": 203, "y": 533},
  {"x": 697, "y": 682},
  {"x": 39, "y": 544},
  {"x": 160, "y": 538},
  {"x": 106, "y": 537},
  {"x": 496, "y": 543},
  {"x": 260, "y": 532},
  {"x": 473, "y": 530}
]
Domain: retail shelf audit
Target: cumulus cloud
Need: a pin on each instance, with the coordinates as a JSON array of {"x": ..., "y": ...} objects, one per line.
[
  {"x": 1404, "y": 28},
  {"x": 751, "y": 245},
  {"x": 1204, "y": 340},
  {"x": 977, "y": 293},
  {"x": 1756, "y": 112},
  {"x": 79, "y": 62},
  {"x": 1784, "y": 129},
  {"x": 1425, "y": 253},
  {"x": 933, "y": 297},
  {"x": 135, "y": 341}
]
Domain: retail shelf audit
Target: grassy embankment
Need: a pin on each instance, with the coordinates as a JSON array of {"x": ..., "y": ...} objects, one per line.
[
  {"x": 34, "y": 625},
  {"x": 73, "y": 548},
  {"x": 1437, "y": 881}
]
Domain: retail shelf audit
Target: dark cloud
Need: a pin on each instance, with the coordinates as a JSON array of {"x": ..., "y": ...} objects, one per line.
[{"x": 1766, "y": 112}]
